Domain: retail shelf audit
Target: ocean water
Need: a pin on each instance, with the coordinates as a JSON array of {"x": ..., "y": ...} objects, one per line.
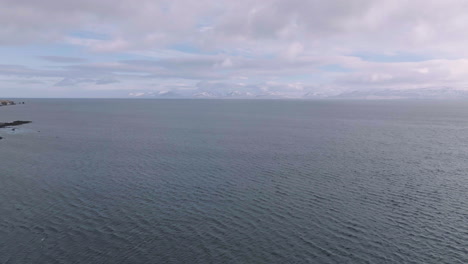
[{"x": 234, "y": 181}]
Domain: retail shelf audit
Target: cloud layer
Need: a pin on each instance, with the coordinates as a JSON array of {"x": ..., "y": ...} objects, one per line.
[{"x": 244, "y": 48}]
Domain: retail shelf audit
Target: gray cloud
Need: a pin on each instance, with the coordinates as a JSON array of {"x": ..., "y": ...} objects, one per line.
[
  {"x": 73, "y": 81},
  {"x": 76, "y": 81},
  {"x": 62, "y": 59}
]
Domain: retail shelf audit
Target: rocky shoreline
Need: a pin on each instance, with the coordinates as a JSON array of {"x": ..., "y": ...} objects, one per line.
[
  {"x": 9, "y": 102},
  {"x": 14, "y": 123}
]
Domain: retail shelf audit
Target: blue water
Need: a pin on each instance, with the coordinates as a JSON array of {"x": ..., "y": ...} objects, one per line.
[{"x": 234, "y": 181}]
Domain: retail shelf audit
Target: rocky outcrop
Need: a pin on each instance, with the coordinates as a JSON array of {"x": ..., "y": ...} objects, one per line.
[
  {"x": 14, "y": 123},
  {"x": 9, "y": 102},
  {"x": 6, "y": 102}
]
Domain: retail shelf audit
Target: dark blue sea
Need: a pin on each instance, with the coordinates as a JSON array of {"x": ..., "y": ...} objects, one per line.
[{"x": 234, "y": 181}]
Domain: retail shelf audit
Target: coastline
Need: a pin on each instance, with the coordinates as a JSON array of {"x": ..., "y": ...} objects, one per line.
[{"x": 14, "y": 123}]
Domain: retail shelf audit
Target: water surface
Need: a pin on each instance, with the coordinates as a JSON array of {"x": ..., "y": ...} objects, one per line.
[{"x": 234, "y": 181}]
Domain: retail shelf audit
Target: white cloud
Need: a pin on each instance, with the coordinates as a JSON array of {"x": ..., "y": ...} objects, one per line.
[
  {"x": 143, "y": 24},
  {"x": 273, "y": 46},
  {"x": 294, "y": 50}
]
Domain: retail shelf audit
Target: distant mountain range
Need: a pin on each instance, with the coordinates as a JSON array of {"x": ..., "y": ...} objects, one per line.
[
  {"x": 381, "y": 94},
  {"x": 422, "y": 93}
]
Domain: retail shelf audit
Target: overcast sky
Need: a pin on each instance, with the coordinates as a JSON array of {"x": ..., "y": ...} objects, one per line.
[{"x": 289, "y": 48}]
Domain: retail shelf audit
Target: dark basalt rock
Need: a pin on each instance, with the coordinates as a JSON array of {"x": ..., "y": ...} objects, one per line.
[{"x": 14, "y": 123}]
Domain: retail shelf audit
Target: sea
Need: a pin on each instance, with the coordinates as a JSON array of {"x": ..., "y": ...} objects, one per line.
[{"x": 234, "y": 181}]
